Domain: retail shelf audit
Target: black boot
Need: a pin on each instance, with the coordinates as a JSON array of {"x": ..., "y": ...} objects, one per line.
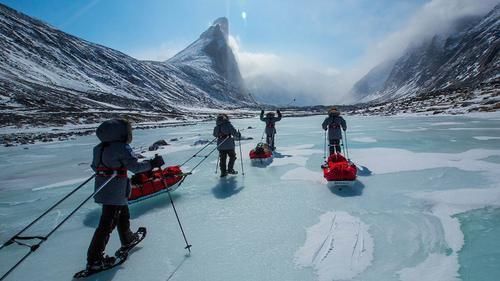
[{"x": 103, "y": 263}]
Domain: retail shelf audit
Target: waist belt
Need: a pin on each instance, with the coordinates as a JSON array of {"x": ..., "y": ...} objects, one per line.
[
  {"x": 270, "y": 125},
  {"x": 108, "y": 172},
  {"x": 223, "y": 136}
]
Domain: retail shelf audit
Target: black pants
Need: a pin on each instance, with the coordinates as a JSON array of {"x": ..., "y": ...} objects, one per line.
[
  {"x": 270, "y": 141},
  {"x": 335, "y": 146},
  {"x": 223, "y": 156},
  {"x": 112, "y": 216}
]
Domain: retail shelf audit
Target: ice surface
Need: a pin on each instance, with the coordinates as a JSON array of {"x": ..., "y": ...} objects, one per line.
[{"x": 413, "y": 187}]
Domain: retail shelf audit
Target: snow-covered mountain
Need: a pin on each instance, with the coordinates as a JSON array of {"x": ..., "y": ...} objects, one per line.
[
  {"x": 212, "y": 63},
  {"x": 48, "y": 76},
  {"x": 469, "y": 58}
]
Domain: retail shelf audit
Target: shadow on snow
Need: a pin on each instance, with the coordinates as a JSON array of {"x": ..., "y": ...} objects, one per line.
[
  {"x": 348, "y": 191},
  {"x": 226, "y": 188}
]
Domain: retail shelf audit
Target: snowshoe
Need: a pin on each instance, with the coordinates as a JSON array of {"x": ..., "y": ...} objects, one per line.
[
  {"x": 138, "y": 237},
  {"x": 104, "y": 264},
  {"x": 120, "y": 257},
  {"x": 232, "y": 172}
]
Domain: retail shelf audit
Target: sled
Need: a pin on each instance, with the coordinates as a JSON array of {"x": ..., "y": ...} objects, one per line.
[
  {"x": 261, "y": 155},
  {"x": 152, "y": 183},
  {"x": 339, "y": 171}
]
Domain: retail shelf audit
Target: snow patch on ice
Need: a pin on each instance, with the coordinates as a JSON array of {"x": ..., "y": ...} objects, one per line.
[
  {"x": 364, "y": 139},
  {"x": 446, "y": 123},
  {"x": 339, "y": 247},
  {"x": 435, "y": 267},
  {"x": 419, "y": 129},
  {"x": 484, "y": 138},
  {"x": 60, "y": 184},
  {"x": 16, "y": 203},
  {"x": 445, "y": 206},
  {"x": 297, "y": 160},
  {"x": 303, "y": 174},
  {"x": 391, "y": 160}
]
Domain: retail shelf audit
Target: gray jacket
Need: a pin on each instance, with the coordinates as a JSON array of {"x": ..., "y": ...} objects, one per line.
[
  {"x": 334, "y": 123},
  {"x": 224, "y": 129},
  {"x": 113, "y": 152},
  {"x": 270, "y": 122}
]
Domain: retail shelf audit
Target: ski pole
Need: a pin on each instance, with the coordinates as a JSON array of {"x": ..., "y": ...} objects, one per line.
[
  {"x": 11, "y": 240},
  {"x": 241, "y": 154},
  {"x": 188, "y": 246},
  {"x": 324, "y": 148},
  {"x": 346, "y": 148},
  {"x": 35, "y": 247},
  {"x": 217, "y": 165},
  {"x": 196, "y": 154}
]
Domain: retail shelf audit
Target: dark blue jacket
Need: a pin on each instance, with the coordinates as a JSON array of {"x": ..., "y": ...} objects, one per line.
[{"x": 113, "y": 152}]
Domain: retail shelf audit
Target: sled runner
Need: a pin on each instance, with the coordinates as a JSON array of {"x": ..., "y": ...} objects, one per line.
[
  {"x": 152, "y": 183},
  {"x": 339, "y": 171},
  {"x": 120, "y": 257}
]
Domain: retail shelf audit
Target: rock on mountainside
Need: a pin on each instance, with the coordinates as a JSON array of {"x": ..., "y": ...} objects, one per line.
[
  {"x": 468, "y": 59},
  {"x": 50, "y": 77}
]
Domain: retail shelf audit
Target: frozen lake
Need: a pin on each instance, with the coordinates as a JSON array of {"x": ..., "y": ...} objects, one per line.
[{"x": 428, "y": 210}]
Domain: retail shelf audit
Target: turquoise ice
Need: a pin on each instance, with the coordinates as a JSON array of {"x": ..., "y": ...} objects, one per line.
[{"x": 427, "y": 211}]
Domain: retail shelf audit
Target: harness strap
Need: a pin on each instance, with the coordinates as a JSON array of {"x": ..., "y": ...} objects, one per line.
[
  {"x": 108, "y": 172},
  {"x": 105, "y": 171}
]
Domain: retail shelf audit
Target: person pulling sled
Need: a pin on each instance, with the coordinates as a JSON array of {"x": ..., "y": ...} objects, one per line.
[
  {"x": 334, "y": 123},
  {"x": 225, "y": 133},
  {"x": 114, "y": 155},
  {"x": 270, "y": 131}
]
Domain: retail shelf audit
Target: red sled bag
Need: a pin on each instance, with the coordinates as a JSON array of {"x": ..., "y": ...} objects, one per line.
[{"x": 146, "y": 184}]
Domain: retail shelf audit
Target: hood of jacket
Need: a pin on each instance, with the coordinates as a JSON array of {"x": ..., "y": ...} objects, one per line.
[{"x": 115, "y": 130}]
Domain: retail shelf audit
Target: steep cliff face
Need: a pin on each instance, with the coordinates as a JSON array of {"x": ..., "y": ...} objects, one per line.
[
  {"x": 49, "y": 75},
  {"x": 212, "y": 61}
]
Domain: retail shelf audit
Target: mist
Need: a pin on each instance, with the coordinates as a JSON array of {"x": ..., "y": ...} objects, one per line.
[{"x": 277, "y": 78}]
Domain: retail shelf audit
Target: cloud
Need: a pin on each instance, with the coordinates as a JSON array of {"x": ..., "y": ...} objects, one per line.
[
  {"x": 434, "y": 17},
  {"x": 275, "y": 78}
]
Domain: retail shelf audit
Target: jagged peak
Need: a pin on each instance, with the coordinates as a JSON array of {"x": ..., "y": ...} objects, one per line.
[
  {"x": 223, "y": 23},
  {"x": 219, "y": 28}
]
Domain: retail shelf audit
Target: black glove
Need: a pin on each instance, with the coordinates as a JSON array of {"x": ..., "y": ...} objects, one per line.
[
  {"x": 262, "y": 112},
  {"x": 157, "y": 162}
]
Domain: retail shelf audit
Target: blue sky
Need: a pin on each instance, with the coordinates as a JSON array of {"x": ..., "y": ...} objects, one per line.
[
  {"x": 334, "y": 32},
  {"x": 316, "y": 48}
]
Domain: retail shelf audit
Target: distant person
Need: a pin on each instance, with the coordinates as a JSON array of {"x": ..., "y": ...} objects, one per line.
[
  {"x": 333, "y": 123},
  {"x": 270, "y": 120},
  {"x": 112, "y": 155},
  {"x": 225, "y": 133}
]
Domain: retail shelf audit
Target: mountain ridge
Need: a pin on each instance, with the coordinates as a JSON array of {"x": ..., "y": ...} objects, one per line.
[
  {"x": 468, "y": 58},
  {"x": 50, "y": 77}
]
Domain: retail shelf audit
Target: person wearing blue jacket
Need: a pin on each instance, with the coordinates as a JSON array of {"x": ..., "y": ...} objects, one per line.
[
  {"x": 225, "y": 133},
  {"x": 270, "y": 130},
  {"x": 334, "y": 123},
  {"x": 114, "y": 155}
]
